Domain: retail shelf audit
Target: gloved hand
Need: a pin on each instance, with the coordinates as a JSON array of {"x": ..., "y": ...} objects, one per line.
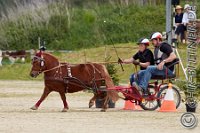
[
  {"x": 120, "y": 61},
  {"x": 136, "y": 62}
]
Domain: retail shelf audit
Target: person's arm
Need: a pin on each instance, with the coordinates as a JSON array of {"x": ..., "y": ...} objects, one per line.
[
  {"x": 145, "y": 65},
  {"x": 177, "y": 24},
  {"x": 128, "y": 61},
  {"x": 185, "y": 19},
  {"x": 171, "y": 56},
  {"x": 131, "y": 60},
  {"x": 169, "y": 59}
]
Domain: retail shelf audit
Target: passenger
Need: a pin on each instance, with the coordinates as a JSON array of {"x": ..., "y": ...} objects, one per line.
[{"x": 164, "y": 56}]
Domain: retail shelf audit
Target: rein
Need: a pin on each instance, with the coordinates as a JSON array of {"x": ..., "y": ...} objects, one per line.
[
  {"x": 54, "y": 68},
  {"x": 77, "y": 64}
]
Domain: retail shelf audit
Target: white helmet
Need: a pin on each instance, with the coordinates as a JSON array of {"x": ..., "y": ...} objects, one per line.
[
  {"x": 186, "y": 6},
  {"x": 156, "y": 35},
  {"x": 143, "y": 41}
]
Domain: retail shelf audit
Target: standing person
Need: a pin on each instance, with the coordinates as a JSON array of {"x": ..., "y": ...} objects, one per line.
[
  {"x": 185, "y": 20},
  {"x": 180, "y": 28},
  {"x": 164, "y": 56},
  {"x": 144, "y": 57}
]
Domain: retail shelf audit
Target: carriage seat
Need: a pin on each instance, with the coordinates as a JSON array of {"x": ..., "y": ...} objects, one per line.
[{"x": 161, "y": 77}]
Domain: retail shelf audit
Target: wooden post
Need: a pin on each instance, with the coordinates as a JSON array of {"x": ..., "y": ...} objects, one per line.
[
  {"x": 105, "y": 54},
  {"x": 38, "y": 42},
  {"x": 1, "y": 57},
  {"x": 85, "y": 55}
]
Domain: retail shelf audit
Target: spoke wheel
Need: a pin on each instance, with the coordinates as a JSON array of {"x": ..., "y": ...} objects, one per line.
[{"x": 150, "y": 104}]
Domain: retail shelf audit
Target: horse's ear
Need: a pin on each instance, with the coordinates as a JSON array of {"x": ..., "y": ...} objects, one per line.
[{"x": 39, "y": 54}]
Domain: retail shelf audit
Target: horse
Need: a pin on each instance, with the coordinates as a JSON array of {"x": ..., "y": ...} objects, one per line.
[
  {"x": 13, "y": 56},
  {"x": 68, "y": 78}
]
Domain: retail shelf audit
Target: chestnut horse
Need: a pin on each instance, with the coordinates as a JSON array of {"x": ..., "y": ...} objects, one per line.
[{"x": 67, "y": 78}]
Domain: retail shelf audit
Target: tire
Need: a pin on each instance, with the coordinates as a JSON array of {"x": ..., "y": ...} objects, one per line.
[
  {"x": 162, "y": 92},
  {"x": 150, "y": 105}
]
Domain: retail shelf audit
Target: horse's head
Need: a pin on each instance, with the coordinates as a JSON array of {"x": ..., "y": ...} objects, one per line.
[
  {"x": 43, "y": 62},
  {"x": 38, "y": 65}
]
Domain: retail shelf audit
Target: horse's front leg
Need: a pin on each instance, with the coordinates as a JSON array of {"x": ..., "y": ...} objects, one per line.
[
  {"x": 44, "y": 95},
  {"x": 63, "y": 97},
  {"x": 92, "y": 100}
]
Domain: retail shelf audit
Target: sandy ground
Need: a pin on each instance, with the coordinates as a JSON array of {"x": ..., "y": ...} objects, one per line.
[{"x": 16, "y": 97}]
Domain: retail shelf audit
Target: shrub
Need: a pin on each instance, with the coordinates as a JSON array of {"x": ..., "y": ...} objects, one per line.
[
  {"x": 80, "y": 27},
  {"x": 183, "y": 84},
  {"x": 112, "y": 71}
]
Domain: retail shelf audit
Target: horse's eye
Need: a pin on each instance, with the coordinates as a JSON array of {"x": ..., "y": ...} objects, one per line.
[{"x": 33, "y": 61}]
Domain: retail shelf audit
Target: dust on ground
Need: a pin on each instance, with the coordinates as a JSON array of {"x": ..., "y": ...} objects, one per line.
[{"x": 16, "y": 98}]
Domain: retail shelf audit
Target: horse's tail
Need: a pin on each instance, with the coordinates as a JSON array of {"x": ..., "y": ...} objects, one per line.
[{"x": 111, "y": 95}]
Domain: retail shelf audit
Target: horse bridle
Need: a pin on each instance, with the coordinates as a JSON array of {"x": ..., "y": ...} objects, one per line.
[{"x": 42, "y": 62}]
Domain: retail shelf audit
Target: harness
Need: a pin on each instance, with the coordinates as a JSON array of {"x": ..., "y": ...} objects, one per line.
[
  {"x": 72, "y": 80},
  {"x": 69, "y": 78}
]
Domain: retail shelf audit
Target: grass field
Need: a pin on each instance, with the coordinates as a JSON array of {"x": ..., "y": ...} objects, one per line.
[{"x": 21, "y": 71}]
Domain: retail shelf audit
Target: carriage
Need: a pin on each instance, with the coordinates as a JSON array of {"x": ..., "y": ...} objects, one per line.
[
  {"x": 69, "y": 78},
  {"x": 157, "y": 89}
]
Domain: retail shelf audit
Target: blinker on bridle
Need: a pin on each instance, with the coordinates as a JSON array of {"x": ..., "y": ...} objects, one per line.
[{"x": 39, "y": 59}]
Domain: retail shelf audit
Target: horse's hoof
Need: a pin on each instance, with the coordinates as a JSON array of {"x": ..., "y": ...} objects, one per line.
[
  {"x": 64, "y": 110},
  {"x": 91, "y": 104},
  {"x": 103, "y": 110},
  {"x": 34, "y": 107}
]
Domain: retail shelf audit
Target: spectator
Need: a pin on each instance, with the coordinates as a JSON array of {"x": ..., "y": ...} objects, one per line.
[
  {"x": 185, "y": 20},
  {"x": 186, "y": 17},
  {"x": 180, "y": 28}
]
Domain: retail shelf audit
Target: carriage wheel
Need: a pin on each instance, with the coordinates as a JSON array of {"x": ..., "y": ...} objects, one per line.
[
  {"x": 163, "y": 91},
  {"x": 150, "y": 104}
]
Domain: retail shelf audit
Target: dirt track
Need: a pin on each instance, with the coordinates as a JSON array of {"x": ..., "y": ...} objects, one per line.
[{"x": 16, "y": 97}]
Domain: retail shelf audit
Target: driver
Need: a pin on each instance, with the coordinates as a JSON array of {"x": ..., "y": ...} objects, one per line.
[{"x": 144, "y": 57}]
